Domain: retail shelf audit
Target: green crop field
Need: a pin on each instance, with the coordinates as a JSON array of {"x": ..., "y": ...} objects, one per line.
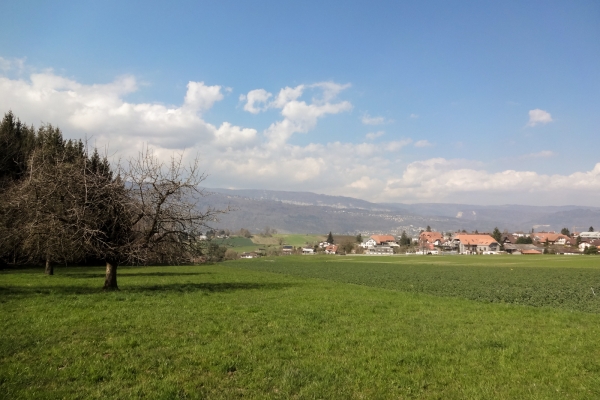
[{"x": 452, "y": 327}]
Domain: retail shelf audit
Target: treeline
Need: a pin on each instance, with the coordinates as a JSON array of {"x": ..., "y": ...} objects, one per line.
[{"x": 62, "y": 202}]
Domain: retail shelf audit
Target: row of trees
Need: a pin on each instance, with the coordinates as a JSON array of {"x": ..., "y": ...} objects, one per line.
[{"x": 61, "y": 202}]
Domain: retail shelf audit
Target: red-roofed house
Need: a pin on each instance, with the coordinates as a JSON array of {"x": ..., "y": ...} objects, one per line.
[
  {"x": 551, "y": 237},
  {"x": 431, "y": 237},
  {"x": 470, "y": 244},
  {"x": 383, "y": 239},
  {"x": 331, "y": 249}
]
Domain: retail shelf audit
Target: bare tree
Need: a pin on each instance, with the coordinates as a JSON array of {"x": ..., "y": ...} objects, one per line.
[{"x": 158, "y": 215}]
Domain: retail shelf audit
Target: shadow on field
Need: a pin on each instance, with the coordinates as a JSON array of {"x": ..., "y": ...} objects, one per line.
[
  {"x": 6, "y": 291},
  {"x": 84, "y": 275}
]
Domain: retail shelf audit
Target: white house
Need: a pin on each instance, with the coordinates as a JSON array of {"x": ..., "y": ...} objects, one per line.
[
  {"x": 589, "y": 235},
  {"x": 308, "y": 250},
  {"x": 380, "y": 250},
  {"x": 368, "y": 244}
]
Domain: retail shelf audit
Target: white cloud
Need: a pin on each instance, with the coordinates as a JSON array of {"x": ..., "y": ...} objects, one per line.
[
  {"x": 423, "y": 143},
  {"x": 7, "y": 65},
  {"x": 200, "y": 97},
  {"x": 374, "y": 135},
  {"x": 540, "y": 154},
  {"x": 369, "y": 120},
  {"x": 235, "y": 156},
  {"x": 397, "y": 144},
  {"x": 538, "y": 116},
  {"x": 298, "y": 115},
  {"x": 257, "y": 96},
  {"x": 99, "y": 110},
  {"x": 414, "y": 116}
]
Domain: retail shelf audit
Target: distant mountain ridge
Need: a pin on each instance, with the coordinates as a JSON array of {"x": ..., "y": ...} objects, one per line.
[{"x": 306, "y": 212}]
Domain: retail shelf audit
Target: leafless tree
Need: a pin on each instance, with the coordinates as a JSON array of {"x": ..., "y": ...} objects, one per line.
[{"x": 159, "y": 216}]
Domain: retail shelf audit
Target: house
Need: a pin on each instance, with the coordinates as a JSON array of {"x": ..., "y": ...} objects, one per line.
[
  {"x": 551, "y": 238},
  {"x": 381, "y": 250},
  {"x": 588, "y": 243},
  {"x": 249, "y": 255},
  {"x": 473, "y": 244},
  {"x": 368, "y": 244},
  {"x": 287, "y": 250},
  {"x": 383, "y": 239},
  {"x": 308, "y": 250},
  {"x": 331, "y": 249},
  {"x": 589, "y": 235},
  {"x": 431, "y": 237}
]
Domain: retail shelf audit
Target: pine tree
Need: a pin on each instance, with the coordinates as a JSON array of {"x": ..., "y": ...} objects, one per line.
[
  {"x": 497, "y": 235},
  {"x": 330, "y": 238}
]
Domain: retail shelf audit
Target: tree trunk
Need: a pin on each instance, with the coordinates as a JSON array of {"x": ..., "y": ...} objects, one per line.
[
  {"x": 49, "y": 268},
  {"x": 110, "y": 282}
]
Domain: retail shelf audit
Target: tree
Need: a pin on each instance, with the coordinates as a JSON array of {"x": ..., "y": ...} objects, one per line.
[
  {"x": 524, "y": 240},
  {"x": 591, "y": 229},
  {"x": 359, "y": 238},
  {"x": 565, "y": 231},
  {"x": 245, "y": 233},
  {"x": 428, "y": 228},
  {"x": 330, "y": 238},
  {"x": 347, "y": 246},
  {"x": 156, "y": 217},
  {"x": 591, "y": 250},
  {"x": 404, "y": 239},
  {"x": 51, "y": 199},
  {"x": 497, "y": 235}
]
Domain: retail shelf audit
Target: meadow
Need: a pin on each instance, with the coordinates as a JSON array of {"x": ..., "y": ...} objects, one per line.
[{"x": 451, "y": 327}]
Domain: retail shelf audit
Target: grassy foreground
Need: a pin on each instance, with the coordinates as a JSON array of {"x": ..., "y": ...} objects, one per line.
[{"x": 232, "y": 331}]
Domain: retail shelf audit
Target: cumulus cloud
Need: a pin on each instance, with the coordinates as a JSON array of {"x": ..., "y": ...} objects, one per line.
[
  {"x": 423, "y": 143},
  {"x": 374, "y": 135},
  {"x": 200, "y": 97},
  {"x": 100, "y": 111},
  {"x": 298, "y": 115},
  {"x": 538, "y": 116},
  {"x": 254, "y": 98}
]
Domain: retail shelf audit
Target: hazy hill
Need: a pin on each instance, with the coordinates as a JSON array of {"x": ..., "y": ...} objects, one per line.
[{"x": 305, "y": 212}]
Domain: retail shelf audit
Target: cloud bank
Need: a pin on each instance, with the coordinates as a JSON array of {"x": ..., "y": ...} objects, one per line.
[{"x": 244, "y": 157}]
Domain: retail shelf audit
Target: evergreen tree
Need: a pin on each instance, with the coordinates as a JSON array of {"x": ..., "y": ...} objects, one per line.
[
  {"x": 359, "y": 238},
  {"x": 497, "y": 235},
  {"x": 404, "y": 239},
  {"x": 565, "y": 231},
  {"x": 428, "y": 228},
  {"x": 591, "y": 229},
  {"x": 330, "y": 238}
]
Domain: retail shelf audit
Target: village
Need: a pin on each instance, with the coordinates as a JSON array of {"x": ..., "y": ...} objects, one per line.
[{"x": 430, "y": 242}]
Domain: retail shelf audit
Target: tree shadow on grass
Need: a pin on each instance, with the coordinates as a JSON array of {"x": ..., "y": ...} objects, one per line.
[
  {"x": 86, "y": 275},
  {"x": 24, "y": 291}
]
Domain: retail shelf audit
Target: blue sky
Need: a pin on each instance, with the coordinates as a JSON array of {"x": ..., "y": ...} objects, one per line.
[{"x": 394, "y": 101}]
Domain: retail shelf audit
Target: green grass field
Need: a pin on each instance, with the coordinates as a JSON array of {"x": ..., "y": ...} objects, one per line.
[{"x": 307, "y": 327}]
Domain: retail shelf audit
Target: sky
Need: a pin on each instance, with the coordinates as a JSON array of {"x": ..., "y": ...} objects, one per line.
[{"x": 390, "y": 101}]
